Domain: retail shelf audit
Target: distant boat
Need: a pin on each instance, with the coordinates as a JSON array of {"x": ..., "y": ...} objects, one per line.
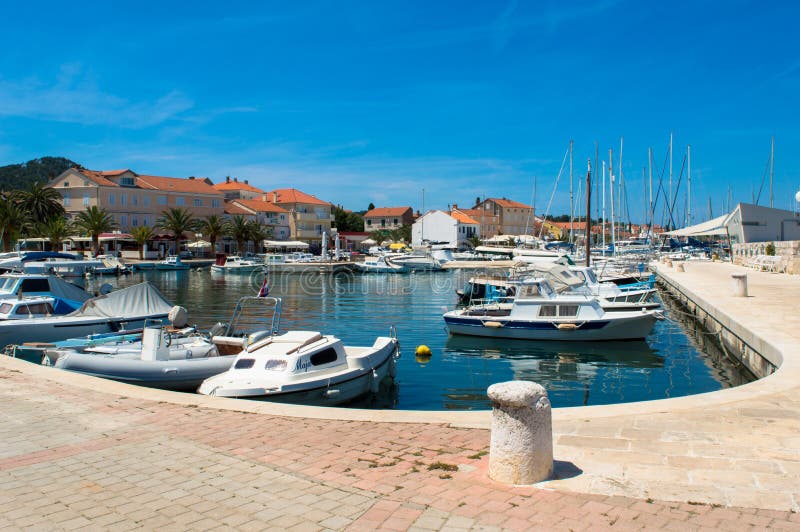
[
  {"x": 172, "y": 262},
  {"x": 379, "y": 265},
  {"x": 235, "y": 264}
]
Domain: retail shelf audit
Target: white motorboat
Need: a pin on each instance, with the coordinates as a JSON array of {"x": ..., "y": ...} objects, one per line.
[
  {"x": 27, "y": 307},
  {"x": 235, "y": 264},
  {"x": 538, "y": 312},
  {"x": 68, "y": 297},
  {"x": 305, "y": 367},
  {"x": 124, "y": 309},
  {"x": 159, "y": 360},
  {"x": 415, "y": 262},
  {"x": 170, "y": 263},
  {"x": 379, "y": 264}
]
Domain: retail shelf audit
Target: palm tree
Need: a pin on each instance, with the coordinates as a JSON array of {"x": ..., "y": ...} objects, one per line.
[
  {"x": 57, "y": 230},
  {"x": 239, "y": 229},
  {"x": 177, "y": 220},
  {"x": 212, "y": 228},
  {"x": 94, "y": 221},
  {"x": 258, "y": 233},
  {"x": 14, "y": 221},
  {"x": 141, "y": 235},
  {"x": 42, "y": 202}
]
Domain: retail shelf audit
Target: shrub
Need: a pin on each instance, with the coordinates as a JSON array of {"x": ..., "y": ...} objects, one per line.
[{"x": 770, "y": 249}]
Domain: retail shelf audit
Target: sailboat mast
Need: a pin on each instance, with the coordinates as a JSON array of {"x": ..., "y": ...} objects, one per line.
[
  {"x": 611, "y": 186},
  {"x": 650, "y": 172},
  {"x": 588, "y": 211},
  {"x": 571, "y": 198},
  {"x": 689, "y": 186},
  {"x": 771, "y": 170},
  {"x": 669, "y": 198},
  {"x": 621, "y": 181},
  {"x": 603, "y": 223}
]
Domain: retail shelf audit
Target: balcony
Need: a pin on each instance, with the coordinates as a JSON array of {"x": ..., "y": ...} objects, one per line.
[
  {"x": 307, "y": 233},
  {"x": 313, "y": 217}
]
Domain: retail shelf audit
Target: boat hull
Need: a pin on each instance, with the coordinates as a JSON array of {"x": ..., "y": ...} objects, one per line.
[
  {"x": 626, "y": 328},
  {"x": 237, "y": 269},
  {"x": 56, "y": 330}
]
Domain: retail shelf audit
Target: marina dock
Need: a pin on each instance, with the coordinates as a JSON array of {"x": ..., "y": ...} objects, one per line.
[{"x": 86, "y": 452}]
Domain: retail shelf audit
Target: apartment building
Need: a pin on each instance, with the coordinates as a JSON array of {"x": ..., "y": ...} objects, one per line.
[
  {"x": 504, "y": 217},
  {"x": 135, "y": 199},
  {"x": 266, "y": 213},
  {"x": 235, "y": 189},
  {"x": 309, "y": 217},
  {"x": 388, "y": 218}
]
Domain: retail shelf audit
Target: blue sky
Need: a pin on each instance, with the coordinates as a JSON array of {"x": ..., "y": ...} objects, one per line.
[{"x": 360, "y": 102}]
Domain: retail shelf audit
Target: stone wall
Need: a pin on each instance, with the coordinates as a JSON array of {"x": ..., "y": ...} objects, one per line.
[{"x": 789, "y": 250}]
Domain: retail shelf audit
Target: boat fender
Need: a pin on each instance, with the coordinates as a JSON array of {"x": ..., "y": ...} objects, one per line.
[
  {"x": 567, "y": 326},
  {"x": 392, "y": 367},
  {"x": 178, "y": 316},
  {"x": 492, "y": 324},
  {"x": 375, "y": 385},
  {"x": 331, "y": 392},
  {"x": 189, "y": 353}
]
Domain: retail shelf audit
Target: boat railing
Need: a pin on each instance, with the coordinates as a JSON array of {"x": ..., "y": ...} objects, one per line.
[{"x": 253, "y": 313}]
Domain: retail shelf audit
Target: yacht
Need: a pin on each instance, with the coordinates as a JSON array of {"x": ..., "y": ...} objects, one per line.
[
  {"x": 380, "y": 264},
  {"x": 172, "y": 262},
  {"x": 235, "y": 264}
]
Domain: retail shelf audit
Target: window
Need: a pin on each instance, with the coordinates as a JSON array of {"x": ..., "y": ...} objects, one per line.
[
  {"x": 547, "y": 311},
  {"x": 144, "y": 221},
  {"x": 180, "y": 201},
  {"x": 146, "y": 201},
  {"x": 29, "y": 286},
  {"x": 395, "y": 221},
  {"x": 244, "y": 363},
  {"x": 383, "y": 222},
  {"x": 135, "y": 221},
  {"x": 127, "y": 182},
  {"x": 162, "y": 200},
  {"x": 198, "y": 202},
  {"x": 66, "y": 183},
  {"x": 123, "y": 220},
  {"x": 123, "y": 199},
  {"x": 66, "y": 200},
  {"x": 326, "y": 356},
  {"x": 215, "y": 203},
  {"x": 568, "y": 311},
  {"x": 86, "y": 200},
  {"x": 369, "y": 222},
  {"x": 111, "y": 199},
  {"x": 275, "y": 365},
  {"x": 5, "y": 308},
  {"x": 134, "y": 200}
]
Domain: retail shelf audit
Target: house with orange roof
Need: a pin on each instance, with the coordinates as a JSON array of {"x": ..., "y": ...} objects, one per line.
[
  {"x": 505, "y": 217},
  {"x": 309, "y": 217},
  {"x": 266, "y": 213},
  {"x": 135, "y": 199},
  {"x": 388, "y": 218},
  {"x": 235, "y": 189},
  {"x": 453, "y": 228}
]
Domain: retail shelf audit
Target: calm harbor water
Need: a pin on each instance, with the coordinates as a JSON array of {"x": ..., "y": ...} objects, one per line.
[{"x": 673, "y": 361}]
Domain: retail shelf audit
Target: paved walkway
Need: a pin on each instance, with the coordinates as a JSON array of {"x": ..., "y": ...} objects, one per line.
[{"x": 78, "y": 452}]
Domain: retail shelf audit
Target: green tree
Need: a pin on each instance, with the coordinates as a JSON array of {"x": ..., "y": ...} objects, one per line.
[
  {"x": 141, "y": 235},
  {"x": 41, "y": 202},
  {"x": 177, "y": 220},
  {"x": 371, "y": 206},
  {"x": 258, "y": 233},
  {"x": 14, "y": 221},
  {"x": 240, "y": 230},
  {"x": 57, "y": 230},
  {"x": 94, "y": 221},
  {"x": 474, "y": 241},
  {"x": 379, "y": 235},
  {"x": 212, "y": 227},
  {"x": 347, "y": 221}
]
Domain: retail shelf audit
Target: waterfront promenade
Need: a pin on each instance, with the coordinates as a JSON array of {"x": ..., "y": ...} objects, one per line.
[{"x": 79, "y": 452}]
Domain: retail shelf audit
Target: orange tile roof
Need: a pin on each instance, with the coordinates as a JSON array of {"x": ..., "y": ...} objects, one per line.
[
  {"x": 388, "y": 211},
  {"x": 258, "y": 205},
  {"x": 175, "y": 184},
  {"x": 116, "y": 172},
  {"x": 292, "y": 195},
  {"x": 462, "y": 218},
  {"x": 231, "y": 208},
  {"x": 478, "y": 214},
  {"x": 97, "y": 177},
  {"x": 504, "y": 202},
  {"x": 238, "y": 185}
]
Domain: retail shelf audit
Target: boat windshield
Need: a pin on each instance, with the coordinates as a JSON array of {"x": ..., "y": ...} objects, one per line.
[
  {"x": 591, "y": 277},
  {"x": 8, "y": 284}
]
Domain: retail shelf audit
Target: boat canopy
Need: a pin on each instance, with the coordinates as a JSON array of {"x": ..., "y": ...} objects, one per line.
[
  {"x": 138, "y": 300},
  {"x": 559, "y": 275}
]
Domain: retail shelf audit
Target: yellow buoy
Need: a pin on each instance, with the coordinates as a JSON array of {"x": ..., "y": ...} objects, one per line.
[{"x": 423, "y": 351}]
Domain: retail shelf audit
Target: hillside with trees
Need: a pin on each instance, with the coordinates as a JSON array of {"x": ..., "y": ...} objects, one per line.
[{"x": 23, "y": 176}]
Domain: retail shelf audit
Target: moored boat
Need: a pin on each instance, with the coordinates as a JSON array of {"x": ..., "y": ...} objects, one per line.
[
  {"x": 235, "y": 264},
  {"x": 172, "y": 262}
]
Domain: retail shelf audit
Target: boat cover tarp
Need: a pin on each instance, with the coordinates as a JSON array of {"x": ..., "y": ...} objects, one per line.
[
  {"x": 559, "y": 275},
  {"x": 65, "y": 290},
  {"x": 707, "y": 228},
  {"x": 142, "y": 299}
]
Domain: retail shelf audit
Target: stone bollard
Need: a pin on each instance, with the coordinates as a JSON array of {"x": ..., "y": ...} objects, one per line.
[
  {"x": 679, "y": 267},
  {"x": 739, "y": 284},
  {"x": 521, "y": 449}
]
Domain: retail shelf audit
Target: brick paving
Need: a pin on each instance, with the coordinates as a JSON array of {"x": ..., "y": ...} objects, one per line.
[{"x": 74, "y": 458}]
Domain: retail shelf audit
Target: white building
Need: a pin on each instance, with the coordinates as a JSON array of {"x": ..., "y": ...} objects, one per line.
[
  {"x": 747, "y": 224},
  {"x": 454, "y": 228}
]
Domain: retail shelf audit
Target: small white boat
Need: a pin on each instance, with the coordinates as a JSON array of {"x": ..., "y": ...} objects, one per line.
[
  {"x": 235, "y": 264},
  {"x": 172, "y": 262},
  {"x": 305, "y": 367},
  {"x": 379, "y": 265},
  {"x": 415, "y": 262},
  {"x": 158, "y": 361},
  {"x": 537, "y": 312}
]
